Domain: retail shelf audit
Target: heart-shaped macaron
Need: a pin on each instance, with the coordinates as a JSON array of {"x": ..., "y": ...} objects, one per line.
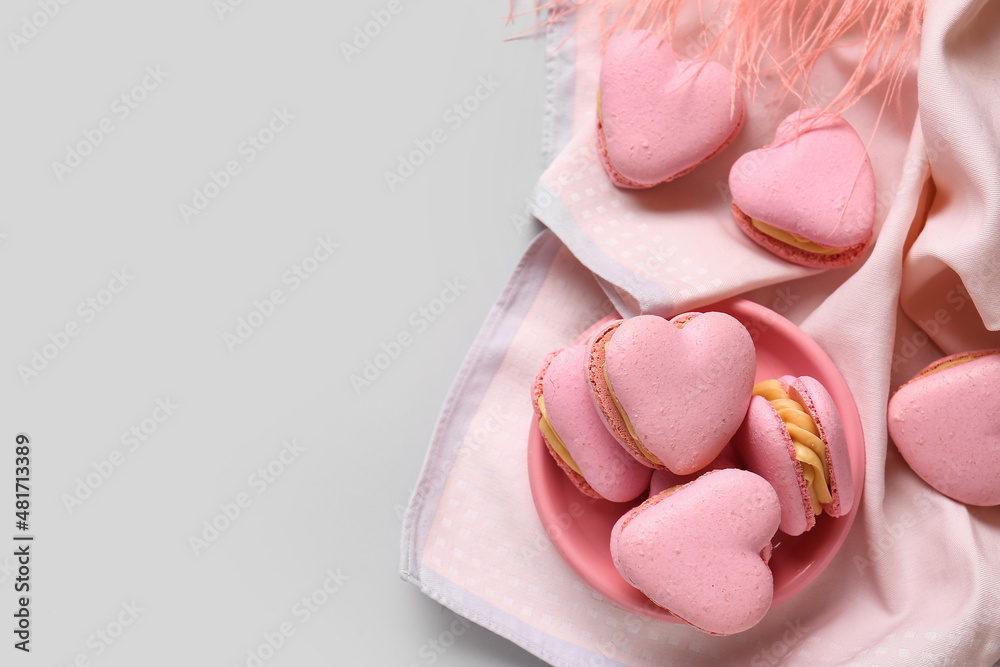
[
  {"x": 946, "y": 424},
  {"x": 794, "y": 438},
  {"x": 673, "y": 392},
  {"x": 574, "y": 435},
  {"x": 701, "y": 551},
  {"x": 659, "y": 117},
  {"x": 809, "y": 198}
]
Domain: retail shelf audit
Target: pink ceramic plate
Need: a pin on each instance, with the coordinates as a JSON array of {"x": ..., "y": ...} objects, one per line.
[{"x": 580, "y": 528}]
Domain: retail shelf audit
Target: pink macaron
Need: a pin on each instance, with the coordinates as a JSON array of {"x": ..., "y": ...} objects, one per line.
[
  {"x": 946, "y": 424},
  {"x": 794, "y": 438},
  {"x": 809, "y": 198},
  {"x": 574, "y": 434},
  {"x": 659, "y": 117},
  {"x": 673, "y": 392},
  {"x": 701, "y": 551}
]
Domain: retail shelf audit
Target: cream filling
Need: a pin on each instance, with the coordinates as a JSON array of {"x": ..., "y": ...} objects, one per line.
[
  {"x": 809, "y": 448},
  {"x": 954, "y": 362},
  {"x": 550, "y": 434},
  {"x": 794, "y": 239},
  {"x": 628, "y": 424}
]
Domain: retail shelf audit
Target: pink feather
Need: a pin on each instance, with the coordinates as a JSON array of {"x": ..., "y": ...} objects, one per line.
[{"x": 784, "y": 38}]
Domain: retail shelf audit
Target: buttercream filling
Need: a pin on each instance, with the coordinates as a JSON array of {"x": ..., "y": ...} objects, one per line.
[
  {"x": 794, "y": 240},
  {"x": 954, "y": 362},
  {"x": 628, "y": 424},
  {"x": 553, "y": 438},
  {"x": 810, "y": 451}
]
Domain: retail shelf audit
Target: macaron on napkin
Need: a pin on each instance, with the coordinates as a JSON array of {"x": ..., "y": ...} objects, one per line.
[
  {"x": 916, "y": 580},
  {"x": 666, "y": 247}
]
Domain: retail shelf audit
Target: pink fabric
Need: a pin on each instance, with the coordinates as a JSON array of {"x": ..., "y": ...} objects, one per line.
[{"x": 917, "y": 580}]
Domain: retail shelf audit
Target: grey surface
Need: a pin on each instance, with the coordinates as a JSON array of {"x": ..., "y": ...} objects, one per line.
[{"x": 336, "y": 506}]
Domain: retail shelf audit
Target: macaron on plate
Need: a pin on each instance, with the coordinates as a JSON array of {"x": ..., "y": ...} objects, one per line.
[{"x": 580, "y": 526}]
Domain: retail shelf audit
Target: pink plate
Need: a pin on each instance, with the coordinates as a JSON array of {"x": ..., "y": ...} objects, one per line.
[{"x": 580, "y": 527}]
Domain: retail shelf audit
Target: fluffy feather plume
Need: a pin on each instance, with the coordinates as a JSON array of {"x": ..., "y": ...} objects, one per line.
[{"x": 783, "y": 38}]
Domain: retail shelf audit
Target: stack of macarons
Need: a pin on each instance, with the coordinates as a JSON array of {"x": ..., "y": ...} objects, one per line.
[{"x": 668, "y": 410}]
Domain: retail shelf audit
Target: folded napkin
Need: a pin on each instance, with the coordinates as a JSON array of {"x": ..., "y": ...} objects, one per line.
[{"x": 916, "y": 582}]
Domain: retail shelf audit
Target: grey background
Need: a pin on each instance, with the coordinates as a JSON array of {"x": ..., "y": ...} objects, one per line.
[{"x": 337, "y": 506}]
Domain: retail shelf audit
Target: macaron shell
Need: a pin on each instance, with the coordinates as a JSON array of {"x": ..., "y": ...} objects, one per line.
[
  {"x": 659, "y": 117},
  {"x": 697, "y": 551},
  {"x": 608, "y": 468},
  {"x": 766, "y": 449},
  {"x": 946, "y": 426},
  {"x": 797, "y": 255},
  {"x": 601, "y": 396},
  {"x": 818, "y": 185},
  {"x": 814, "y": 397},
  {"x": 536, "y": 391},
  {"x": 588, "y": 334},
  {"x": 685, "y": 390}
]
